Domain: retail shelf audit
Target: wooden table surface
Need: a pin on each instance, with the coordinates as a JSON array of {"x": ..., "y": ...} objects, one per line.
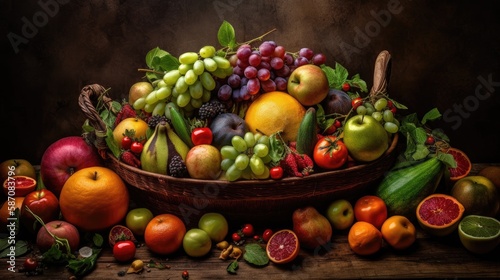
[{"x": 429, "y": 257}]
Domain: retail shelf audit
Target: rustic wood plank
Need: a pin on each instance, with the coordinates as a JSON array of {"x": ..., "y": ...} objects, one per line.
[{"x": 429, "y": 257}]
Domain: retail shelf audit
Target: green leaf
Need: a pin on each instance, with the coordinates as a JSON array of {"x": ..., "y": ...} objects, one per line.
[
  {"x": 330, "y": 75},
  {"x": 419, "y": 135},
  {"x": 153, "y": 57},
  {"x": 98, "y": 240},
  {"x": 421, "y": 152},
  {"x": 20, "y": 248},
  {"x": 55, "y": 256},
  {"x": 358, "y": 82},
  {"x": 447, "y": 159},
  {"x": 255, "y": 254},
  {"x": 81, "y": 267},
  {"x": 276, "y": 148},
  {"x": 226, "y": 35},
  {"x": 167, "y": 63},
  {"x": 232, "y": 267},
  {"x": 433, "y": 114},
  {"x": 112, "y": 145},
  {"x": 4, "y": 243}
]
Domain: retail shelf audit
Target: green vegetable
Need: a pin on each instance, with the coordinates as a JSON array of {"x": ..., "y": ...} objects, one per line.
[
  {"x": 255, "y": 255},
  {"x": 405, "y": 185}
]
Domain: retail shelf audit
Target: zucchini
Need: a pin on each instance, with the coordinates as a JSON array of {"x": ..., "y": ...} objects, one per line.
[{"x": 404, "y": 187}]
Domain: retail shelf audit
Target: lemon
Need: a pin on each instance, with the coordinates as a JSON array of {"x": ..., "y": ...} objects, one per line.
[{"x": 479, "y": 234}]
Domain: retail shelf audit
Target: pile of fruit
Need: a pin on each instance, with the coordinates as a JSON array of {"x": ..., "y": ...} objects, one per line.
[
  {"x": 248, "y": 111},
  {"x": 238, "y": 113}
]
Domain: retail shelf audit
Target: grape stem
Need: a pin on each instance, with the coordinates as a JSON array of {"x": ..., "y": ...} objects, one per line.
[
  {"x": 260, "y": 38},
  {"x": 150, "y": 70}
]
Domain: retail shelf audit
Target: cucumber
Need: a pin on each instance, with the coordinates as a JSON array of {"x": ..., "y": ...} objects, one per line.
[
  {"x": 307, "y": 135},
  {"x": 404, "y": 187}
]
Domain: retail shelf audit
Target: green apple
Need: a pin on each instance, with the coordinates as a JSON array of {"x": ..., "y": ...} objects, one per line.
[
  {"x": 365, "y": 138},
  {"x": 340, "y": 214},
  {"x": 478, "y": 195},
  {"x": 196, "y": 242},
  {"x": 308, "y": 84},
  {"x": 137, "y": 220},
  {"x": 215, "y": 224},
  {"x": 14, "y": 167}
]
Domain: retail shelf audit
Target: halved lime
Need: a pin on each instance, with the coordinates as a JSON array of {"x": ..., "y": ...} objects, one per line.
[{"x": 479, "y": 234}]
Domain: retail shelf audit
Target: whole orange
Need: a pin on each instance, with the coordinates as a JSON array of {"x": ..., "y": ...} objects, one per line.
[
  {"x": 364, "y": 238},
  {"x": 136, "y": 126},
  {"x": 399, "y": 232},
  {"x": 371, "y": 209},
  {"x": 94, "y": 198},
  {"x": 275, "y": 111},
  {"x": 9, "y": 206},
  {"x": 164, "y": 234}
]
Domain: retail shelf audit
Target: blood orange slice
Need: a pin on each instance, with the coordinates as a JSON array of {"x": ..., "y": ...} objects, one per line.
[
  {"x": 439, "y": 214},
  {"x": 463, "y": 167},
  {"x": 19, "y": 185},
  {"x": 283, "y": 246}
]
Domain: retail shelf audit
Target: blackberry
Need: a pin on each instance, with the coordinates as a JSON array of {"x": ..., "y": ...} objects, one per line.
[
  {"x": 177, "y": 167},
  {"x": 156, "y": 119},
  {"x": 211, "y": 109}
]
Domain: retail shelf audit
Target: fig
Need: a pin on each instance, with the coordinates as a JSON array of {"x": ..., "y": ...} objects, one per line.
[{"x": 336, "y": 102}]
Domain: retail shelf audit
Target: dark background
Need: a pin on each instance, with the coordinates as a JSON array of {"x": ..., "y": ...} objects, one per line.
[{"x": 443, "y": 54}]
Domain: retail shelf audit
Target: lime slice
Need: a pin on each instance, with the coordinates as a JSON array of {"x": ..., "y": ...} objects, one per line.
[{"x": 479, "y": 234}]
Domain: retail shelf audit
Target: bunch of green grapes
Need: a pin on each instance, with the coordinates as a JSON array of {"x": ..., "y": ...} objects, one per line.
[
  {"x": 247, "y": 157},
  {"x": 188, "y": 86},
  {"x": 382, "y": 110}
]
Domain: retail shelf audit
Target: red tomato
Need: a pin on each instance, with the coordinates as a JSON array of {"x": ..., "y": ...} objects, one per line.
[
  {"x": 126, "y": 142},
  {"x": 346, "y": 87},
  {"x": 371, "y": 209},
  {"x": 124, "y": 250},
  {"x": 356, "y": 102},
  {"x": 330, "y": 153},
  {"x": 276, "y": 172},
  {"x": 201, "y": 135},
  {"x": 267, "y": 234},
  {"x": 247, "y": 230},
  {"x": 30, "y": 264},
  {"x": 136, "y": 147}
]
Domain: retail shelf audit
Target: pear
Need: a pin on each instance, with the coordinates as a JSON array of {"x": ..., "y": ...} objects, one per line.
[{"x": 312, "y": 228}]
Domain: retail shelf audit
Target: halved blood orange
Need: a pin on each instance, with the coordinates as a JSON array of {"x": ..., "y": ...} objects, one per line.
[
  {"x": 283, "y": 246},
  {"x": 463, "y": 167},
  {"x": 18, "y": 185},
  {"x": 439, "y": 214}
]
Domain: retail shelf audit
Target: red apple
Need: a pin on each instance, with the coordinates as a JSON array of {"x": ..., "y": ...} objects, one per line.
[
  {"x": 63, "y": 158},
  {"x": 44, "y": 204},
  {"x": 203, "y": 162},
  {"x": 308, "y": 84},
  {"x": 60, "y": 229}
]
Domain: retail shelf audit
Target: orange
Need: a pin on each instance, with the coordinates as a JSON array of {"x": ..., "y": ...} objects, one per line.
[
  {"x": 283, "y": 246},
  {"x": 8, "y": 206},
  {"x": 94, "y": 198},
  {"x": 493, "y": 173},
  {"x": 463, "y": 167},
  {"x": 164, "y": 234},
  {"x": 399, "y": 232},
  {"x": 135, "y": 125},
  {"x": 273, "y": 112},
  {"x": 439, "y": 214},
  {"x": 364, "y": 238}
]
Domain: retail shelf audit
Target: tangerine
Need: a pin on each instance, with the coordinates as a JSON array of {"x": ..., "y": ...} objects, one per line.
[
  {"x": 283, "y": 246},
  {"x": 364, "y": 238},
  {"x": 273, "y": 112},
  {"x": 5, "y": 210},
  {"x": 463, "y": 167},
  {"x": 94, "y": 198},
  {"x": 439, "y": 214},
  {"x": 164, "y": 234}
]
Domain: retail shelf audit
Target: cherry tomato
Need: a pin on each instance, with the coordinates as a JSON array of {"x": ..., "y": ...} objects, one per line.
[
  {"x": 136, "y": 147},
  {"x": 371, "y": 209},
  {"x": 247, "y": 230},
  {"x": 30, "y": 264},
  {"x": 276, "y": 172},
  {"x": 256, "y": 237},
  {"x": 126, "y": 142},
  {"x": 346, "y": 87},
  {"x": 185, "y": 275},
  {"x": 201, "y": 135},
  {"x": 330, "y": 153},
  {"x": 356, "y": 102},
  {"x": 267, "y": 234},
  {"x": 236, "y": 237},
  {"x": 124, "y": 250},
  {"x": 430, "y": 140},
  {"x": 330, "y": 130}
]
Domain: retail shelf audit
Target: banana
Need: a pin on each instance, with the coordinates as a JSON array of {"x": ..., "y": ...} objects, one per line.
[
  {"x": 159, "y": 149},
  {"x": 306, "y": 138},
  {"x": 181, "y": 126}
]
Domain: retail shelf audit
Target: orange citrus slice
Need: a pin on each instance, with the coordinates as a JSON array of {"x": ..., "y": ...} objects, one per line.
[{"x": 463, "y": 167}]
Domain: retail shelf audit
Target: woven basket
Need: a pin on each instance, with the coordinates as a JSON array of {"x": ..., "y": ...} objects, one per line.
[{"x": 255, "y": 200}]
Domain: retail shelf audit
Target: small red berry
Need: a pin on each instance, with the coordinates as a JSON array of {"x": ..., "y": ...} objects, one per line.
[
  {"x": 267, "y": 234},
  {"x": 346, "y": 87},
  {"x": 430, "y": 140},
  {"x": 256, "y": 237},
  {"x": 236, "y": 237},
  {"x": 337, "y": 124},
  {"x": 247, "y": 230},
  {"x": 185, "y": 275}
]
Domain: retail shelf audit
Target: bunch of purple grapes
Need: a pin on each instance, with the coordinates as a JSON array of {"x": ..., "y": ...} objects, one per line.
[{"x": 263, "y": 69}]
